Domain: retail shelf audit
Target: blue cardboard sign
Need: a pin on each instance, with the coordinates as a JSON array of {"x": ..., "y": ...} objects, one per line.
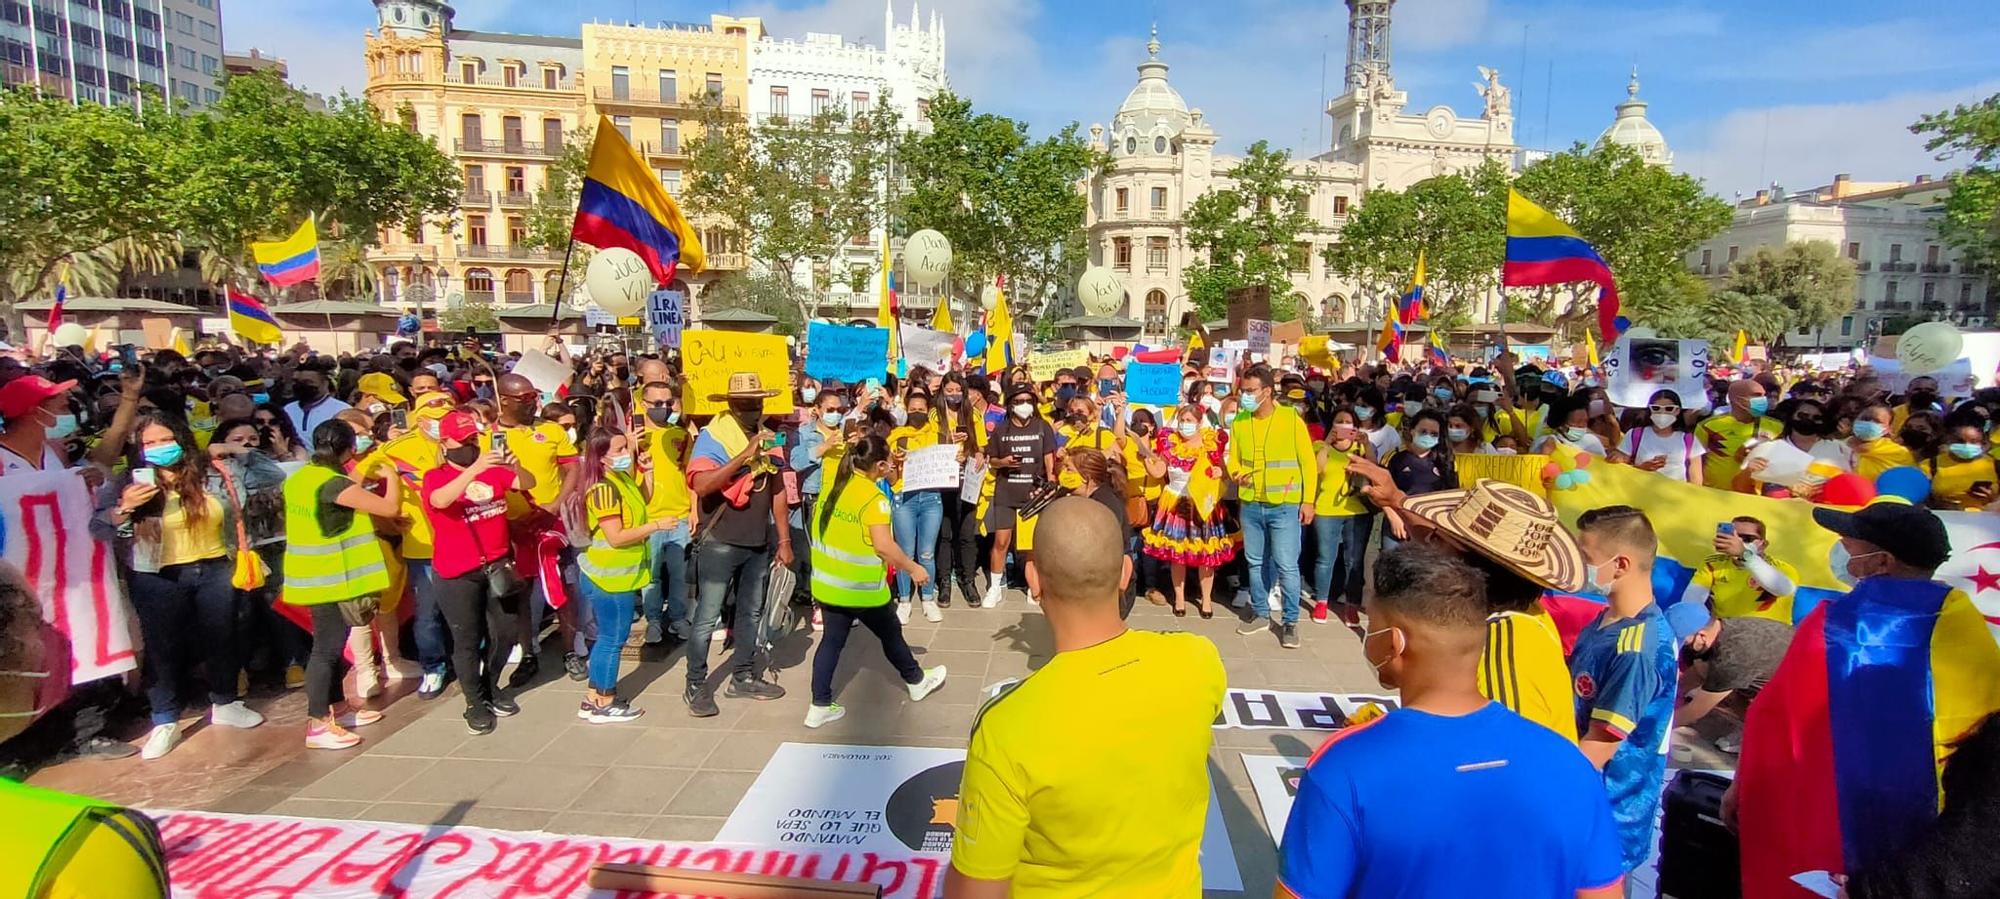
[
  {"x": 1153, "y": 383},
  {"x": 848, "y": 353}
]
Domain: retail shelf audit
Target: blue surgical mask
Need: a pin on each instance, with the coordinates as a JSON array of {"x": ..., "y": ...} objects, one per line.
[
  {"x": 164, "y": 454},
  {"x": 808, "y": 394},
  {"x": 1425, "y": 441},
  {"x": 1760, "y": 405},
  {"x": 63, "y": 426},
  {"x": 1247, "y": 402},
  {"x": 831, "y": 419},
  {"x": 1593, "y": 582},
  {"x": 619, "y": 463},
  {"x": 1442, "y": 393},
  {"x": 1869, "y": 430},
  {"x": 1365, "y": 413},
  {"x": 1575, "y": 435},
  {"x": 1966, "y": 451},
  {"x": 260, "y": 398},
  {"x": 1187, "y": 429},
  {"x": 1458, "y": 435},
  {"x": 363, "y": 442}
]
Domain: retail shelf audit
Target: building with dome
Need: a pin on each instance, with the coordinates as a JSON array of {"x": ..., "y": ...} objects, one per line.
[{"x": 1631, "y": 128}]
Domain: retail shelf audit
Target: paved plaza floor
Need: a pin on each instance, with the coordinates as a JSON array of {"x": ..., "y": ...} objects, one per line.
[{"x": 669, "y": 776}]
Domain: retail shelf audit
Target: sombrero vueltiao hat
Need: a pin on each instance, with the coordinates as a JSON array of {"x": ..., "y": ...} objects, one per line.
[
  {"x": 744, "y": 385},
  {"x": 1509, "y": 525}
]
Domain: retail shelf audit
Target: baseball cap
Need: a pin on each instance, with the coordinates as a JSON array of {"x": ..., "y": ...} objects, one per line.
[
  {"x": 382, "y": 385},
  {"x": 26, "y": 392},
  {"x": 1913, "y": 534},
  {"x": 1684, "y": 618},
  {"x": 459, "y": 426}
]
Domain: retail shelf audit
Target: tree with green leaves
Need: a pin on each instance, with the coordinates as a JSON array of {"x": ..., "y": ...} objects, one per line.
[
  {"x": 1008, "y": 203},
  {"x": 1245, "y": 234},
  {"x": 553, "y": 211},
  {"x": 764, "y": 292},
  {"x": 469, "y": 317},
  {"x": 794, "y": 190},
  {"x": 1809, "y": 281},
  {"x": 1456, "y": 220},
  {"x": 1972, "y": 213}
]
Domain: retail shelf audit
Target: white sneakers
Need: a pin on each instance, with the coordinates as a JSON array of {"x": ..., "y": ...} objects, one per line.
[
  {"x": 822, "y": 715},
  {"x": 932, "y": 613},
  {"x": 996, "y": 590},
  {"x": 161, "y": 741},
  {"x": 902, "y": 611},
  {"x": 933, "y": 679},
  {"x": 403, "y": 669},
  {"x": 234, "y": 714}
]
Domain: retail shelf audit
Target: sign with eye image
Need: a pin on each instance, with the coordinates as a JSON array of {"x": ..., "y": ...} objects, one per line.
[{"x": 1637, "y": 367}]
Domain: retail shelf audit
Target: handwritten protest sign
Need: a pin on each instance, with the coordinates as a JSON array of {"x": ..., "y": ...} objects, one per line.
[
  {"x": 544, "y": 371},
  {"x": 931, "y": 349},
  {"x": 1953, "y": 380},
  {"x": 666, "y": 312},
  {"x": 931, "y": 467},
  {"x": 850, "y": 354},
  {"x": 1153, "y": 383},
  {"x": 972, "y": 479},
  {"x": 1043, "y": 366},
  {"x": 46, "y": 516},
  {"x": 1258, "y": 334},
  {"x": 709, "y": 357}
]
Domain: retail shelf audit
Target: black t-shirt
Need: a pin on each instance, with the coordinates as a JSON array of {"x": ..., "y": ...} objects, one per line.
[
  {"x": 1116, "y": 504},
  {"x": 1030, "y": 444},
  {"x": 1745, "y": 655},
  {"x": 749, "y": 526},
  {"x": 1417, "y": 475}
]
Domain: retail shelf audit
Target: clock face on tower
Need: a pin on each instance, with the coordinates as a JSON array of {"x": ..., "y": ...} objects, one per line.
[{"x": 1439, "y": 122}]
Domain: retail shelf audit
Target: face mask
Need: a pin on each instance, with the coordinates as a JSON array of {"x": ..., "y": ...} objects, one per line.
[
  {"x": 50, "y": 685},
  {"x": 1024, "y": 411},
  {"x": 163, "y": 455},
  {"x": 1807, "y": 426},
  {"x": 1442, "y": 394},
  {"x": 1248, "y": 402},
  {"x": 1760, "y": 405},
  {"x": 1064, "y": 392},
  {"x": 1458, "y": 435},
  {"x": 1070, "y": 480},
  {"x": 1966, "y": 451},
  {"x": 463, "y": 456},
  {"x": 1923, "y": 399},
  {"x": 1211, "y": 404},
  {"x": 1869, "y": 430},
  {"x": 1842, "y": 563},
  {"x": 954, "y": 400},
  {"x": 748, "y": 418},
  {"x": 1590, "y": 381},
  {"x": 306, "y": 394},
  {"x": 483, "y": 391},
  {"x": 363, "y": 442},
  {"x": 1575, "y": 435},
  {"x": 430, "y": 428},
  {"x": 407, "y": 364},
  {"x": 1425, "y": 441},
  {"x": 1187, "y": 429},
  {"x": 260, "y": 398},
  {"x": 808, "y": 394},
  {"x": 63, "y": 426},
  {"x": 618, "y": 463},
  {"x": 658, "y": 415},
  {"x": 1377, "y": 666},
  {"x": 1664, "y": 419},
  {"x": 1365, "y": 413},
  {"x": 1594, "y": 582},
  {"x": 1412, "y": 408},
  {"x": 920, "y": 419},
  {"x": 1505, "y": 450},
  {"x": 831, "y": 420},
  {"x": 377, "y": 408},
  {"x": 571, "y": 434}
]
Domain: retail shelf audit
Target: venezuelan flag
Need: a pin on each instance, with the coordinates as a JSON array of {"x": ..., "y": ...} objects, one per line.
[
  {"x": 1542, "y": 250},
  {"x": 251, "y": 321},
  {"x": 623, "y": 205},
  {"x": 292, "y": 260},
  {"x": 1410, "y": 308}
]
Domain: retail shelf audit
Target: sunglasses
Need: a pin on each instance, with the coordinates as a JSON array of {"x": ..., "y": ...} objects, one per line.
[{"x": 1667, "y": 409}]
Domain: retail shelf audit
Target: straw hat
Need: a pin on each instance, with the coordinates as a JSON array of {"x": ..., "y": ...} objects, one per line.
[
  {"x": 744, "y": 385},
  {"x": 1508, "y": 525}
]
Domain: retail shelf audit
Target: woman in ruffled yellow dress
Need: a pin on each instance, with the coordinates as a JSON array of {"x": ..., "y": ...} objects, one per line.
[{"x": 1192, "y": 528}]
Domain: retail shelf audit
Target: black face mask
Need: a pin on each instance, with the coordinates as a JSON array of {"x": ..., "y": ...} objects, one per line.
[
  {"x": 622, "y": 373},
  {"x": 1064, "y": 392},
  {"x": 660, "y": 415},
  {"x": 306, "y": 394},
  {"x": 463, "y": 456},
  {"x": 920, "y": 419},
  {"x": 407, "y": 364},
  {"x": 1923, "y": 398},
  {"x": 1807, "y": 426},
  {"x": 748, "y": 418}
]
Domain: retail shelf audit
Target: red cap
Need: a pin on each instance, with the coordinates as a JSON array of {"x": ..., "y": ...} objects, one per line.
[
  {"x": 459, "y": 426},
  {"x": 26, "y": 392}
]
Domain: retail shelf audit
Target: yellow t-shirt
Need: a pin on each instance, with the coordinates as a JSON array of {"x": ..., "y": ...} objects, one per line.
[
  {"x": 1335, "y": 498},
  {"x": 1880, "y": 455},
  {"x": 1952, "y": 480},
  {"x": 1531, "y": 421},
  {"x": 1048, "y": 797},
  {"x": 906, "y": 439},
  {"x": 1723, "y": 435},
  {"x": 1092, "y": 436},
  {"x": 181, "y": 542},
  {"x": 412, "y": 454},
  {"x": 670, "y": 498},
  {"x": 1523, "y": 669},
  {"x": 1735, "y": 594},
  {"x": 539, "y": 447},
  {"x": 1137, "y": 481}
]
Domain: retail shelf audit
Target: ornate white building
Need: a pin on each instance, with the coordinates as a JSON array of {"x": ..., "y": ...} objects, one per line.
[
  {"x": 1163, "y": 158},
  {"x": 1633, "y": 130}
]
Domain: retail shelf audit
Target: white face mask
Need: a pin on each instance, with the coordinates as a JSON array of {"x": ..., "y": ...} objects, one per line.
[
  {"x": 1187, "y": 429},
  {"x": 1211, "y": 403},
  {"x": 1378, "y": 666},
  {"x": 1024, "y": 410},
  {"x": 1664, "y": 419},
  {"x": 1842, "y": 563}
]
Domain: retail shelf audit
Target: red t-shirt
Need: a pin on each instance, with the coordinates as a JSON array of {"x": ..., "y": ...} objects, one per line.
[{"x": 478, "y": 520}]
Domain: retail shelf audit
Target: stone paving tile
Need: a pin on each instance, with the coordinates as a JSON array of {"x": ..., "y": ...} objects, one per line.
[
  {"x": 668, "y": 748},
  {"x": 600, "y": 824},
  {"x": 684, "y": 828},
  {"x": 632, "y": 791},
  {"x": 368, "y": 778},
  {"x": 552, "y": 787},
  {"x": 580, "y": 743},
  {"x": 712, "y": 793},
  {"x": 332, "y": 809}
]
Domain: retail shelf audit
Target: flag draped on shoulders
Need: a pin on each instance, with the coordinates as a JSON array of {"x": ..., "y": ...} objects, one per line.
[
  {"x": 624, "y": 205},
  {"x": 290, "y": 261},
  {"x": 251, "y": 321},
  {"x": 1541, "y": 249}
]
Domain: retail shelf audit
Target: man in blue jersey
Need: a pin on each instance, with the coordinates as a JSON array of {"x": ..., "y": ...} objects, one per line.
[
  {"x": 1625, "y": 664},
  {"x": 1384, "y": 808}
]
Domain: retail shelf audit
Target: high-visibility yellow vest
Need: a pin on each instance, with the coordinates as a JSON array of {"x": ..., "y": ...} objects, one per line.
[
  {"x": 618, "y": 569},
  {"x": 1279, "y": 475},
  {"x": 322, "y": 568},
  {"x": 846, "y": 571},
  {"x": 61, "y": 844}
]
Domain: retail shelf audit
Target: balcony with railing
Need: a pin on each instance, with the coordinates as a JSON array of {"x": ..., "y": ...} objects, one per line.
[
  {"x": 490, "y": 147},
  {"x": 517, "y": 198},
  {"x": 481, "y": 297},
  {"x": 1862, "y": 265},
  {"x": 488, "y": 251},
  {"x": 694, "y": 101},
  {"x": 1937, "y": 268},
  {"x": 474, "y": 197},
  {"x": 532, "y": 81},
  {"x": 1894, "y": 306},
  {"x": 1894, "y": 265},
  {"x": 728, "y": 261},
  {"x": 670, "y": 150}
]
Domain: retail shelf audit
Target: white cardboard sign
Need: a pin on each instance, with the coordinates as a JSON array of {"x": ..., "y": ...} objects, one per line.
[{"x": 932, "y": 467}]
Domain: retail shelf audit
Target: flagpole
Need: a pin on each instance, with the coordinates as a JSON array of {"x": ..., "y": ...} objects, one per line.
[{"x": 562, "y": 282}]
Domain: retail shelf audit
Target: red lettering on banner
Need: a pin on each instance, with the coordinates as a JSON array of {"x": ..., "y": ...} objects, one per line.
[
  {"x": 100, "y": 603},
  {"x": 38, "y": 557}
]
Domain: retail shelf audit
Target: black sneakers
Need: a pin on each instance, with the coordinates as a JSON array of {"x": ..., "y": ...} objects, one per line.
[
  {"x": 576, "y": 667},
  {"x": 754, "y": 687},
  {"x": 700, "y": 701},
  {"x": 524, "y": 671},
  {"x": 479, "y": 719},
  {"x": 503, "y": 705}
]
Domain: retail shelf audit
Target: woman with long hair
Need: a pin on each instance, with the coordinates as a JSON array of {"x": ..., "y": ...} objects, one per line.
[
  {"x": 958, "y": 536},
  {"x": 919, "y": 514},
  {"x": 332, "y": 558},
  {"x": 170, "y": 534},
  {"x": 1342, "y": 521},
  {"x": 1875, "y": 446},
  {"x": 1426, "y": 465},
  {"x": 853, "y": 544},
  {"x": 1463, "y": 433},
  {"x": 602, "y": 498},
  {"x": 1665, "y": 444},
  {"x": 1962, "y": 473},
  {"x": 281, "y": 440},
  {"x": 252, "y": 484},
  {"x": 1181, "y": 534}
]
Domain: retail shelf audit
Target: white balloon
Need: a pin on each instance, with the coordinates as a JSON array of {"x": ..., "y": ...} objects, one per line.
[
  {"x": 926, "y": 258},
  {"x": 619, "y": 281},
  {"x": 989, "y": 296},
  {"x": 1929, "y": 347},
  {"x": 1100, "y": 291},
  {"x": 71, "y": 334}
]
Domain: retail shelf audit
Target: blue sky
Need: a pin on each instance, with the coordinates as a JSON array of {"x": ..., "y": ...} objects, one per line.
[{"x": 1747, "y": 93}]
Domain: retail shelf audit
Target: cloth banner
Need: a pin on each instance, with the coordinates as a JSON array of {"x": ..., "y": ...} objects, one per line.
[
  {"x": 932, "y": 349},
  {"x": 849, "y": 354},
  {"x": 47, "y": 533},
  {"x": 1523, "y": 471},
  {"x": 932, "y": 467},
  {"x": 666, "y": 313},
  {"x": 890, "y": 800},
  {"x": 1153, "y": 384},
  {"x": 708, "y": 358},
  {"x": 1637, "y": 366},
  {"x": 213, "y": 854},
  {"x": 1043, "y": 366},
  {"x": 1275, "y": 780}
]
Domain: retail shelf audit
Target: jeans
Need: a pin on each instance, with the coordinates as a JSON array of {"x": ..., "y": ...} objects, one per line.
[
  {"x": 668, "y": 550},
  {"x": 325, "y": 667},
  {"x": 1271, "y": 533},
  {"x": 433, "y": 637},
  {"x": 1342, "y": 543},
  {"x": 467, "y": 609},
  {"x": 177, "y": 601},
  {"x": 613, "y": 610},
  {"x": 717, "y": 564},
  {"x": 917, "y": 517},
  {"x": 840, "y": 620}
]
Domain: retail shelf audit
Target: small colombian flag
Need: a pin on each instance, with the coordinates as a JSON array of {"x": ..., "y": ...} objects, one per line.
[
  {"x": 292, "y": 260},
  {"x": 251, "y": 321}
]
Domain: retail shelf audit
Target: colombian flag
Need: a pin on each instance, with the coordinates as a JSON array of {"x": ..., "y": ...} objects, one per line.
[
  {"x": 1391, "y": 340},
  {"x": 887, "y": 313},
  {"x": 1411, "y": 307},
  {"x": 623, "y": 205},
  {"x": 1434, "y": 347},
  {"x": 292, "y": 260},
  {"x": 251, "y": 321},
  {"x": 1542, "y": 250},
  {"x": 56, "y": 311}
]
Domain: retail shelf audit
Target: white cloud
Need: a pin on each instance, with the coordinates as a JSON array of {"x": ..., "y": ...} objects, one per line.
[{"x": 1802, "y": 145}]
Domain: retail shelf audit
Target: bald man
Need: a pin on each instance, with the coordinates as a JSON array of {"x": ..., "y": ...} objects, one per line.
[
  {"x": 1724, "y": 433},
  {"x": 1047, "y": 806}
]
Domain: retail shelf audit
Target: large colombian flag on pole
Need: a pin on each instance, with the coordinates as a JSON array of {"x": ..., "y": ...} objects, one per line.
[
  {"x": 251, "y": 321},
  {"x": 292, "y": 260},
  {"x": 623, "y": 205},
  {"x": 1411, "y": 307},
  {"x": 1542, "y": 250}
]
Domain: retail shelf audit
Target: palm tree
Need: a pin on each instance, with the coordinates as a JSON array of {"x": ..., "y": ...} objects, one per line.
[{"x": 344, "y": 269}]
